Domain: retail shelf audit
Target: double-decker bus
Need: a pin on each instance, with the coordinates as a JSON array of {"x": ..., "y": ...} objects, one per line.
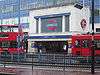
[
  {"x": 11, "y": 39},
  {"x": 82, "y": 44}
]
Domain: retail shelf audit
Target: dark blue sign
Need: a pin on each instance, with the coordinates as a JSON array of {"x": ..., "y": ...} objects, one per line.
[{"x": 50, "y": 37}]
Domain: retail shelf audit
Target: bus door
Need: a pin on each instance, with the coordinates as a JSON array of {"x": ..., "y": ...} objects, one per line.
[
  {"x": 86, "y": 47},
  {"x": 97, "y": 47}
]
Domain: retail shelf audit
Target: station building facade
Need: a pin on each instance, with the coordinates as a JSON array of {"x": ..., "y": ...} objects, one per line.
[{"x": 57, "y": 25}]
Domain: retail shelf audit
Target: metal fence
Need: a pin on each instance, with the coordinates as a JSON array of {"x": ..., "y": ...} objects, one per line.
[{"x": 65, "y": 61}]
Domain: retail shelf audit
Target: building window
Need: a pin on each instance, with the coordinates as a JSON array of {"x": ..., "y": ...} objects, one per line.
[
  {"x": 96, "y": 16},
  {"x": 25, "y": 25},
  {"x": 66, "y": 23},
  {"x": 24, "y": 5},
  {"x": 7, "y": 8},
  {"x": 15, "y": 8},
  {"x": 51, "y": 24},
  {"x": 37, "y": 22},
  {"x": 97, "y": 12},
  {"x": 97, "y": 29}
]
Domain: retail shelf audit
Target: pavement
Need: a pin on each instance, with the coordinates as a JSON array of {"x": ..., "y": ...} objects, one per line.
[{"x": 53, "y": 72}]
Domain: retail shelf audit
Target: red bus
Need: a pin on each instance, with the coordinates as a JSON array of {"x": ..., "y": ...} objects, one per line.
[
  {"x": 82, "y": 44},
  {"x": 9, "y": 39}
]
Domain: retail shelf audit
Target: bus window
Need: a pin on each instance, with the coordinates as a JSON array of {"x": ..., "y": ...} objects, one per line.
[
  {"x": 13, "y": 44},
  {"x": 5, "y": 44},
  {"x": 77, "y": 43},
  {"x": 0, "y": 44},
  {"x": 85, "y": 43},
  {"x": 97, "y": 43},
  {"x": 5, "y": 29}
]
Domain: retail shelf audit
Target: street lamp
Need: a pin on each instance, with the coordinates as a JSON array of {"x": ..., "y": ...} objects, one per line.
[
  {"x": 93, "y": 50},
  {"x": 18, "y": 28}
]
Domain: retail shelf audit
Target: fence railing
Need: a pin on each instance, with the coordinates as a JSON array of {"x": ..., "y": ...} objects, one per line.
[{"x": 54, "y": 60}]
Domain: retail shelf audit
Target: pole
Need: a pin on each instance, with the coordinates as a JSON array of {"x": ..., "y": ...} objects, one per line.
[
  {"x": 18, "y": 28},
  {"x": 64, "y": 64},
  {"x": 32, "y": 62},
  {"x": 93, "y": 51},
  {"x": 92, "y": 15}
]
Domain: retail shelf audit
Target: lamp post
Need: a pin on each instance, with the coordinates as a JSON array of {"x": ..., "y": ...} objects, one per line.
[
  {"x": 18, "y": 28},
  {"x": 92, "y": 49}
]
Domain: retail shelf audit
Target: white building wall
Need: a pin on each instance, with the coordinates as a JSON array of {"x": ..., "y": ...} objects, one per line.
[{"x": 76, "y": 15}]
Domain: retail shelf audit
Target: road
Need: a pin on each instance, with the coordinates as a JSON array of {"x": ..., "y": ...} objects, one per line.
[{"x": 27, "y": 70}]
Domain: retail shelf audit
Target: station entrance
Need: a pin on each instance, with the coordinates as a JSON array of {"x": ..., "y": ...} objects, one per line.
[{"x": 51, "y": 46}]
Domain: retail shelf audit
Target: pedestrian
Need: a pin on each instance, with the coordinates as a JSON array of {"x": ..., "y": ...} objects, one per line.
[{"x": 65, "y": 47}]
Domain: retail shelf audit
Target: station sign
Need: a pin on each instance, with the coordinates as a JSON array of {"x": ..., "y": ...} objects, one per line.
[
  {"x": 83, "y": 23},
  {"x": 51, "y": 37}
]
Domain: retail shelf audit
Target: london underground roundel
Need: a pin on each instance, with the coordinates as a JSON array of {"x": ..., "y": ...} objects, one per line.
[{"x": 83, "y": 23}]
